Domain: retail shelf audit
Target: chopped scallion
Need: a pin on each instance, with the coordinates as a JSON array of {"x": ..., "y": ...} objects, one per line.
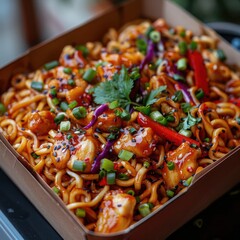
[
  {"x": 170, "y": 165},
  {"x": 141, "y": 45},
  {"x": 83, "y": 49},
  {"x": 73, "y": 104},
  {"x": 113, "y": 104},
  {"x": 199, "y": 94},
  {"x": 3, "y": 109},
  {"x": 221, "y": 55},
  {"x": 80, "y": 212},
  {"x": 131, "y": 192},
  {"x": 55, "y": 101},
  {"x": 89, "y": 75},
  {"x": 182, "y": 47},
  {"x": 79, "y": 112},
  {"x": 182, "y": 64},
  {"x": 67, "y": 70},
  {"x": 38, "y": 86},
  {"x": 65, "y": 126},
  {"x": 34, "y": 155},
  {"x": 55, "y": 189},
  {"x": 146, "y": 164},
  {"x": 193, "y": 46},
  {"x": 187, "y": 182},
  {"x": 107, "y": 165},
  {"x": 59, "y": 118},
  {"x": 51, "y": 65},
  {"x": 170, "y": 193},
  {"x": 125, "y": 155},
  {"x": 186, "y": 133},
  {"x": 111, "y": 178},
  {"x": 178, "y": 96},
  {"x": 155, "y": 36},
  {"x": 144, "y": 209},
  {"x": 64, "y": 106},
  {"x": 123, "y": 176},
  {"x": 71, "y": 82},
  {"x": 79, "y": 165}
]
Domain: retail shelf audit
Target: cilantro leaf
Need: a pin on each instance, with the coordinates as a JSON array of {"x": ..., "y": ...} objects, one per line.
[
  {"x": 153, "y": 94},
  {"x": 190, "y": 121},
  {"x": 117, "y": 89}
]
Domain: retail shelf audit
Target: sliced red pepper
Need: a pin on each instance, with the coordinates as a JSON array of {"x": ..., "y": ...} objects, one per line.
[
  {"x": 200, "y": 72},
  {"x": 103, "y": 182},
  {"x": 163, "y": 131},
  {"x": 235, "y": 101}
]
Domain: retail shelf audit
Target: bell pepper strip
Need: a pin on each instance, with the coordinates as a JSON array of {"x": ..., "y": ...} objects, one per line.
[
  {"x": 235, "y": 101},
  {"x": 163, "y": 131},
  {"x": 200, "y": 72},
  {"x": 103, "y": 182}
]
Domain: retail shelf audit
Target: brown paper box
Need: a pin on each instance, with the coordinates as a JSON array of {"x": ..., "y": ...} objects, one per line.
[{"x": 207, "y": 186}]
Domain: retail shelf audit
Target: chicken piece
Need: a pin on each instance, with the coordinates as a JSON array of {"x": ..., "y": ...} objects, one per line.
[
  {"x": 108, "y": 122},
  {"x": 60, "y": 154},
  {"x": 41, "y": 122},
  {"x": 86, "y": 151},
  {"x": 116, "y": 212},
  {"x": 185, "y": 164},
  {"x": 141, "y": 143}
]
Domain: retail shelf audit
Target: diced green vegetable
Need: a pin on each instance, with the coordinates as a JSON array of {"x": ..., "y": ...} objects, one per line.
[
  {"x": 79, "y": 165},
  {"x": 50, "y": 65},
  {"x": 79, "y": 112},
  {"x": 107, "y": 165},
  {"x": 125, "y": 155},
  {"x": 65, "y": 126},
  {"x": 38, "y": 86},
  {"x": 89, "y": 75}
]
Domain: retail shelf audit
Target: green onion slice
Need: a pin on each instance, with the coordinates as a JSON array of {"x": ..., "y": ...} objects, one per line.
[
  {"x": 170, "y": 165},
  {"x": 38, "y": 86},
  {"x": 73, "y": 104},
  {"x": 67, "y": 70},
  {"x": 170, "y": 193},
  {"x": 182, "y": 48},
  {"x": 59, "y": 118},
  {"x": 79, "y": 112},
  {"x": 182, "y": 64},
  {"x": 144, "y": 209},
  {"x": 155, "y": 36},
  {"x": 107, "y": 165},
  {"x": 80, "y": 212},
  {"x": 51, "y": 65},
  {"x": 64, "y": 106},
  {"x": 79, "y": 165},
  {"x": 125, "y": 155},
  {"x": 89, "y": 75},
  {"x": 111, "y": 178},
  {"x": 65, "y": 126},
  {"x": 3, "y": 109}
]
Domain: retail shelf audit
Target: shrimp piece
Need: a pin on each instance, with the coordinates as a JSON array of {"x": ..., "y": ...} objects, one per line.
[
  {"x": 141, "y": 143},
  {"x": 86, "y": 151},
  {"x": 116, "y": 212},
  {"x": 185, "y": 164},
  {"x": 41, "y": 122}
]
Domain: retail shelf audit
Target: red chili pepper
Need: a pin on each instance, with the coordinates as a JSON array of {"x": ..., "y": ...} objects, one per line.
[
  {"x": 235, "y": 101},
  {"x": 163, "y": 131},
  {"x": 200, "y": 72},
  {"x": 103, "y": 182}
]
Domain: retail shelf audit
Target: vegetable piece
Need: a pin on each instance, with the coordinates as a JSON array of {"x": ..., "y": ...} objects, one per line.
[
  {"x": 144, "y": 209},
  {"x": 73, "y": 104},
  {"x": 186, "y": 133},
  {"x": 79, "y": 165},
  {"x": 199, "y": 94},
  {"x": 141, "y": 45},
  {"x": 64, "y": 106},
  {"x": 67, "y": 70},
  {"x": 83, "y": 49},
  {"x": 125, "y": 155},
  {"x": 182, "y": 64},
  {"x": 190, "y": 121},
  {"x": 71, "y": 82},
  {"x": 131, "y": 192},
  {"x": 55, "y": 189},
  {"x": 149, "y": 56},
  {"x": 55, "y": 101},
  {"x": 123, "y": 176},
  {"x": 89, "y": 75},
  {"x": 50, "y": 65},
  {"x": 119, "y": 89},
  {"x": 146, "y": 164},
  {"x": 97, "y": 162},
  {"x": 107, "y": 165},
  {"x": 200, "y": 73},
  {"x": 163, "y": 131},
  {"x": 38, "y": 86},
  {"x": 34, "y": 155},
  {"x": 143, "y": 109},
  {"x": 65, "y": 126},
  {"x": 155, "y": 36},
  {"x": 111, "y": 178},
  {"x": 59, "y": 118},
  {"x": 184, "y": 88},
  {"x": 188, "y": 181},
  {"x": 100, "y": 110},
  {"x": 178, "y": 96},
  {"x": 79, "y": 112},
  {"x": 193, "y": 45},
  {"x": 221, "y": 55},
  {"x": 152, "y": 98},
  {"x": 170, "y": 193},
  {"x": 113, "y": 105},
  {"x": 3, "y": 109},
  {"x": 80, "y": 212},
  {"x": 158, "y": 117},
  {"x": 182, "y": 48},
  {"x": 170, "y": 165}
]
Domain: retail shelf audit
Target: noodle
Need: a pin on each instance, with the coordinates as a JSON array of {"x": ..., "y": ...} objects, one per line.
[{"x": 117, "y": 128}]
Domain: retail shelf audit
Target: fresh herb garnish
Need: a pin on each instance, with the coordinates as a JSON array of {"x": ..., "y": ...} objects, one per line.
[
  {"x": 153, "y": 94},
  {"x": 190, "y": 121},
  {"x": 119, "y": 88}
]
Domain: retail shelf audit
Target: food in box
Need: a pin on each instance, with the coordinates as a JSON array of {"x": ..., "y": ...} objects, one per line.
[{"x": 118, "y": 128}]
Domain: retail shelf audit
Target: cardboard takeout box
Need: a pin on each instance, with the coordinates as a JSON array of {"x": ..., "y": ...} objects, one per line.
[{"x": 207, "y": 186}]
